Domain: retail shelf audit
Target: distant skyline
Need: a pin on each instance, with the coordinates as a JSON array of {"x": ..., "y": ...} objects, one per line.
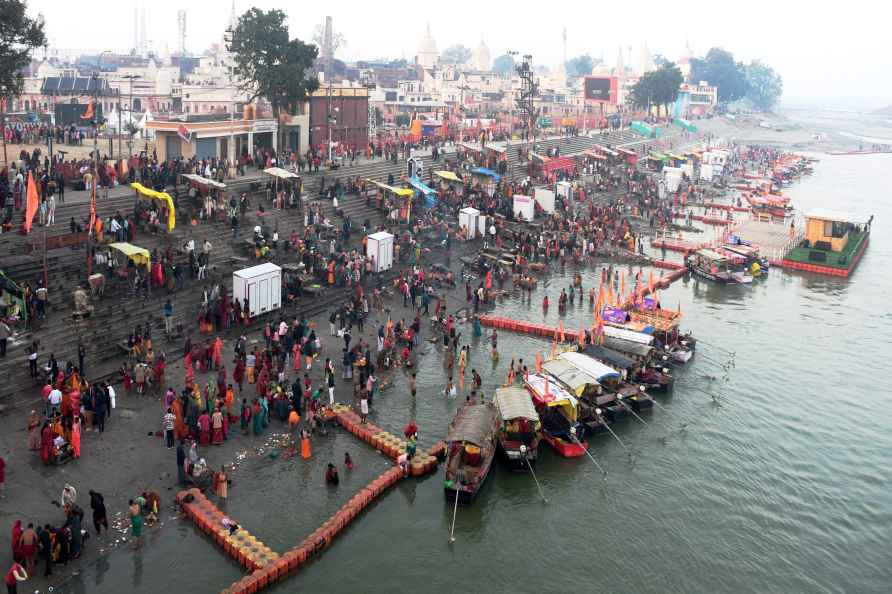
[{"x": 827, "y": 56}]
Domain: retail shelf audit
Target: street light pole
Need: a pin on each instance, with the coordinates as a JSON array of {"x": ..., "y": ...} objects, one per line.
[{"x": 131, "y": 78}]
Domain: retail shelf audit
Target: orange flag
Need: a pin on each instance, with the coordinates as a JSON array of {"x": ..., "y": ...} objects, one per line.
[
  {"x": 88, "y": 113},
  {"x": 32, "y": 203},
  {"x": 650, "y": 281},
  {"x": 561, "y": 330},
  {"x": 610, "y": 298},
  {"x": 581, "y": 336},
  {"x": 538, "y": 362},
  {"x": 622, "y": 285}
]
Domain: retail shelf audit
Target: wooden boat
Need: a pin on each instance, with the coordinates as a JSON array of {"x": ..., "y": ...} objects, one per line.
[
  {"x": 715, "y": 267},
  {"x": 558, "y": 411},
  {"x": 518, "y": 436},
  {"x": 470, "y": 449},
  {"x": 611, "y": 381}
]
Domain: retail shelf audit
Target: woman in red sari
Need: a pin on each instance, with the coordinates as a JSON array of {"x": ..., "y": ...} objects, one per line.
[
  {"x": 46, "y": 443},
  {"x": 204, "y": 426}
]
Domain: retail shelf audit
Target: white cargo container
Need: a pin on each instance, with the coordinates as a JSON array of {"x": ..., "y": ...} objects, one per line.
[
  {"x": 470, "y": 219},
  {"x": 262, "y": 287},
  {"x": 379, "y": 247},
  {"x": 523, "y": 207},
  {"x": 545, "y": 197}
]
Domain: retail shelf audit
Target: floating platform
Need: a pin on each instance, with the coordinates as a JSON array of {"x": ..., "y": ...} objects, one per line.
[
  {"x": 677, "y": 245},
  {"x": 772, "y": 239}
]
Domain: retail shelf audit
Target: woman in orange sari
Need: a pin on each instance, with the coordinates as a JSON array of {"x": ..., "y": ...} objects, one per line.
[{"x": 180, "y": 430}]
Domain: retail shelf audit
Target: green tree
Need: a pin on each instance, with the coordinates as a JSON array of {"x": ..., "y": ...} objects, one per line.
[
  {"x": 269, "y": 64},
  {"x": 718, "y": 68},
  {"x": 455, "y": 54},
  {"x": 765, "y": 85},
  {"x": 580, "y": 66},
  {"x": 19, "y": 35},
  {"x": 658, "y": 87},
  {"x": 504, "y": 64}
]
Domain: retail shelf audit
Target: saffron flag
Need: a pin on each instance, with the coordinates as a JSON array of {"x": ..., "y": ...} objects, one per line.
[
  {"x": 561, "y": 331},
  {"x": 650, "y": 281},
  {"x": 538, "y": 362},
  {"x": 489, "y": 279},
  {"x": 622, "y": 285},
  {"x": 88, "y": 113},
  {"x": 32, "y": 202},
  {"x": 581, "y": 336}
]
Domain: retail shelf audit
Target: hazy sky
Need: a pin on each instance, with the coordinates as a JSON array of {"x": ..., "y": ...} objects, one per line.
[{"x": 827, "y": 56}]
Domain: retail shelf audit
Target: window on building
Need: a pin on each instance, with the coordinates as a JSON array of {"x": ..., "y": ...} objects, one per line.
[{"x": 835, "y": 229}]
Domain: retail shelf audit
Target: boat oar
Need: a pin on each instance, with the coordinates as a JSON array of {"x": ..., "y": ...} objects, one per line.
[
  {"x": 523, "y": 453},
  {"x": 619, "y": 399},
  {"x": 454, "y": 513},
  {"x": 606, "y": 426},
  {"x": 587, "y": 453}
]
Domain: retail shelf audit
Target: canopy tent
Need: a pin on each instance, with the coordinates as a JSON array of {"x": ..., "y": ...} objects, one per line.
[
  {"x": 557, "y": 395},
  {"x": 404, "y": 192},
  {"x": 556, "y": 392},
  {"x": 447, "y": 175},
  {"x": 163, "y": 197},
  {"x": 421, "y": 186},
  {"x": 560, "y": 163},
  {"x": 595, "y": 155},
  {"x": 281, "y": 173},
  {"x": 474, "y": 424},
  {"x": 627, "y": 347},
  {"x": 630, "y": 335},
  {"x": 487, "y": 172},
  {"x": 429, "y": 194},
  {"x": 569, "y": 375},
  {"x": 594, "y": 368},
  {"x": 612, "y": 358},
  {"x": 515, "y": 403},
  {"x": 658, "y": 157},
  {"x": 137, "y": 254},
  {"x": 204, "y": 181},
  {"x": 676, "y": 157},
  {"x": 604, "y": 149}
]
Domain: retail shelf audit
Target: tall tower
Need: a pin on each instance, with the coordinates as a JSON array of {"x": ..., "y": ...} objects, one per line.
[
  {"x": 181, "y": 27},
  {"x": 143, "y": 41},
  {"x": 136, "y": 27},
  {"x": 233, "y": 19},
  {"x": 327, "y": 41},
  {"x": 564, "y": 39}
]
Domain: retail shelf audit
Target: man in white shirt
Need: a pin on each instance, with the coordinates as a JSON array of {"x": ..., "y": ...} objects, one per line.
[{"x": 54, "y": 402}]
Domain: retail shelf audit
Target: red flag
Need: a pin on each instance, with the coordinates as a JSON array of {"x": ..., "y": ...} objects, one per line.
[
  {"x": 32, "y": 203},
  {"x": 489, "y": 279},
  {"x": 88, "y": 113},
  {"x": 92, "y": 210}
]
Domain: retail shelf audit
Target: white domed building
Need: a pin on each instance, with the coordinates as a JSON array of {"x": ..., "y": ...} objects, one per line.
[{"x": 427, "y": 56}]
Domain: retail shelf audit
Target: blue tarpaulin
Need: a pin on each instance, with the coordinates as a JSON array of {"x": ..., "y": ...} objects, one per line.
[
  {"x": 487, "y": 172},
  {"x": 429, "y": 194}
]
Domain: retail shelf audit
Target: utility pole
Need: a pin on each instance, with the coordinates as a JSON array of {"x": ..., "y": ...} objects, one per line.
[{"x": 131, "y": 78}]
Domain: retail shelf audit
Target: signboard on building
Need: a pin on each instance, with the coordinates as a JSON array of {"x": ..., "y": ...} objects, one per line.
[
  {"x": 70, "y": 113},
  {"x": 602, "y": 89},
  {"x": 184, "y": 133}
]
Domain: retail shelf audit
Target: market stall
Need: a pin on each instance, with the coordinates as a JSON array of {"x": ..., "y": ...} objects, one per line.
[
  {"x": 163, "y": 198},
  {"x": 396, "y": 201},
  {"x": 430, "y": 195},
  {"x": 206, "y": 197},
  {"x": 286, "y": 180}
]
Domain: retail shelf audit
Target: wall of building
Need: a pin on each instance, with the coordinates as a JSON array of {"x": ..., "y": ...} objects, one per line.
[{"x": 350, "y": 107}]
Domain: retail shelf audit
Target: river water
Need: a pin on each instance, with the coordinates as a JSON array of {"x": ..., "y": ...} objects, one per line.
[{"x": 766, "y": 471}]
